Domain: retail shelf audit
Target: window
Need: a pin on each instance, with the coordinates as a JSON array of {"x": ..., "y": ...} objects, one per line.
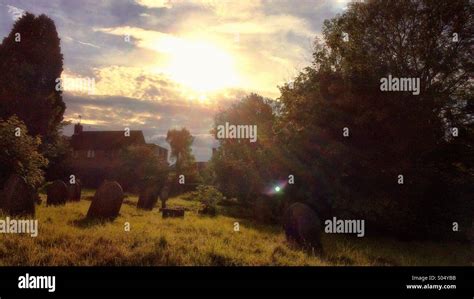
[{"x": 90, "y": 154}]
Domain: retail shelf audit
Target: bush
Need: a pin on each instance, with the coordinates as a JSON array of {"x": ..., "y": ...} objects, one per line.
[
  {"x": 209, "y": 196},
  {"x": 19, "y": 154}
]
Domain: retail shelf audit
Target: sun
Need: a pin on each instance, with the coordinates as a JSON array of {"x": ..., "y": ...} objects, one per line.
[{"x": 202, "y": 66}]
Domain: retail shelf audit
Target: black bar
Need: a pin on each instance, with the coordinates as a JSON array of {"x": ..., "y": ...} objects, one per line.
[{"x": 243, "y": 282}]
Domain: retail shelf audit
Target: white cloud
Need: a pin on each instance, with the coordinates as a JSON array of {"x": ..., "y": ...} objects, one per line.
[
  {"x": 15, "y": 12},
  {"x": 155, "y": 3},
  {"x": 82, "y": 43}
]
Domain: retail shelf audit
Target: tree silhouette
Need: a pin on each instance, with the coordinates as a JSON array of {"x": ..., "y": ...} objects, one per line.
[
  {"x": 254, "y": 163},
  {"x": 30, "y": 63},
  {"x": 390, "y": 133},
  {"x": 180, "y": 142}
]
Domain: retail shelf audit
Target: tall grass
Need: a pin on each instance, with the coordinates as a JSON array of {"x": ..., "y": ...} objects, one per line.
[{"x": 67, "y": 238}]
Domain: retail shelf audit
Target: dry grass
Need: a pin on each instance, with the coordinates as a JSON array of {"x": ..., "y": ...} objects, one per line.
[{"x": 66, "y": 238}]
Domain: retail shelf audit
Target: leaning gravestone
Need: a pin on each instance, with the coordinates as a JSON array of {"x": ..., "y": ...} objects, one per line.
[
  {"x": 57, "y": 193},
  {"x": 302, "y": 225},
  {"x": 107, "y": 201},
  {"x": 147, "y": 198},
  {"x": 17, "y": 197},
  {"x": 74, "y": 191}
]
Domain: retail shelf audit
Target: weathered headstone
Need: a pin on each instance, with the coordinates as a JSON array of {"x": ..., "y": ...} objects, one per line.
[
  {"x": 17, "y": 197},
  {"x": 57, "y": 193},
  {"x": 164, "y": 196},
  {"x": 147, "y": 198},
  {"x": 208, "y": 210},
  {"x": 74, "y": 191},
  {"x": 303, "y": 226},
  {"x": 169, "y": 212},
  {"x": 107, "y": 201}
]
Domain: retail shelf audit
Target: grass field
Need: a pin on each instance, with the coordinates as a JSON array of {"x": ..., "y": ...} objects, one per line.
[{"x": 66, "y": 238}]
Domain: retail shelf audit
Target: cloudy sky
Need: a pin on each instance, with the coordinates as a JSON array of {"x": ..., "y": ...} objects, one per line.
[{"x": 159, "y": 64}]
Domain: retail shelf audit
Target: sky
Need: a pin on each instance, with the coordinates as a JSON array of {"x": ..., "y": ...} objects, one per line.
[{"x": 161, "y": 64}]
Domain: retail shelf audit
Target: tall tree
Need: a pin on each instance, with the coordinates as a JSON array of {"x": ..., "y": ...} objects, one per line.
[
  {"x": 30, "y": 63},
  {"x": 245, "y": 169},
  {"x": 180, "y": 142},
  {"x": 387, "y": 133}
]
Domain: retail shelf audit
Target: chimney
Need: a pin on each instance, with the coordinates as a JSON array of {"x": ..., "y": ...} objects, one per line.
[{"x": 77, "y": 129}]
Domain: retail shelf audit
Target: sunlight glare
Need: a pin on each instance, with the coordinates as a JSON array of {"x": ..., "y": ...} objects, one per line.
[{"x": 202, "y": 66}]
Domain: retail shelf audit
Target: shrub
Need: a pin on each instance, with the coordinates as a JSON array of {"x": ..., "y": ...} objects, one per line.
[
  {"x": 19, "y": 154},
  {"x": 209, "y": 196}
]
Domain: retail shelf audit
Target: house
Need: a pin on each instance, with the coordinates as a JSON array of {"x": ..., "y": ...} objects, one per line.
[
  {"x": 96, "y": 154},
  {"x": 160, "y": 151}
]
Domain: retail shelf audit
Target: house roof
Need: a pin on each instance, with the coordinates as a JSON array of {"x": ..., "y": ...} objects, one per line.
[
  {"x": 156, "y": 147},
  {"x": 106, "y": 140}
]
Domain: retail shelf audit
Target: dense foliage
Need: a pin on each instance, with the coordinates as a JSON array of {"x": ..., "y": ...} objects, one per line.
[
  {"x": 141, "y": 167},
  {"x": 19, "y": 153},
  {"x": 391, "y": 133},
  {"x": 245, "y": 169},
  {"x": 357, "y": 152},
  {"x": 209, "y": 196},
  {"x": 29, "y": 67},
  {"x": 30, "y": 64}
]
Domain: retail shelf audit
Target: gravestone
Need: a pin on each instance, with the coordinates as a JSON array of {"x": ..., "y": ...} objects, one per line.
[
  {"x": 164, "y": 196},
  {"x": 74, "y": 191},
  {"x": 147, "y": 198},
  {"x": 17, "y": 197},
  {"x": 303, "y": 226},
  {"x": 107, "y": 201},
  {"x": 208, "y": 210},
  {"x": 172, "y": 213},
  {"x": 57, "y": 193}
]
